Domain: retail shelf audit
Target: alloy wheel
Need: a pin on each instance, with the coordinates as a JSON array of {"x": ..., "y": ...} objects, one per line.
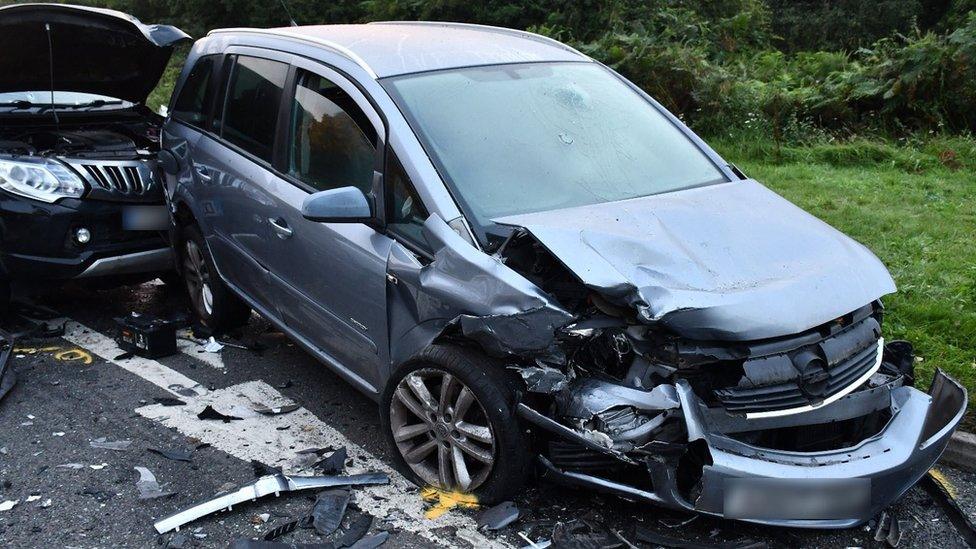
[
  {"x": 197, "y": 276},
  {"x": 442, "y": 431}
]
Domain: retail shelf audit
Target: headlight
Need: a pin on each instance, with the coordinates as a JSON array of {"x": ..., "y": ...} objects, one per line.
[{"x": 39, "y": 178}]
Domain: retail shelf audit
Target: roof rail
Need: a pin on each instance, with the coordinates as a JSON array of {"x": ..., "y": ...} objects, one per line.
[
  {"x": 341, "y": 50},
  {"x": 500, "y": 30}
]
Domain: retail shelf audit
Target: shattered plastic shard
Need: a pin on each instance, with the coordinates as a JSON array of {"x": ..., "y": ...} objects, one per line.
[
  {"x": 328, "y": 511},
  {"x": 117, "y": 445},
  {"x": 271, "y": 484},
  {"x": 498, "y": 516},
  {"x": 147, "y": 485},
  {"x": 8, "y": 505}
]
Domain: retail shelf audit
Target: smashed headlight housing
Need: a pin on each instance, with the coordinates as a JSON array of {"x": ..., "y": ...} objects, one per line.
[{"x": 39, "y": 178}]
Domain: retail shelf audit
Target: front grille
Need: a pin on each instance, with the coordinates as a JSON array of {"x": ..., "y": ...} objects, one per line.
[
  {"x": 794, "y": 394},
  {"x": 120, "y": 179}
]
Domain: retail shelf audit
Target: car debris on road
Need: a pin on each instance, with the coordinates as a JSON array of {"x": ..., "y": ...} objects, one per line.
[{"x": 271, "y": 484}]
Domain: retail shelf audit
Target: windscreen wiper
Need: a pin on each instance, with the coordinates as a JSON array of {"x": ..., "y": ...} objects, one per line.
[
  {"x": 19, "y": 104},
  {"x": 96, "y": 104}
]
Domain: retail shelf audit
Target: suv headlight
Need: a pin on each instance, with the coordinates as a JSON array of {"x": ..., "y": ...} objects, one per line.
[{"x": 39, "y": 178}]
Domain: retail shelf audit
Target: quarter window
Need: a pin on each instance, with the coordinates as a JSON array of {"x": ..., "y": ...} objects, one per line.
[
  {"x": 405, "y": 213},
  {"x": 333, "y": 144},
  {"x": 193, "y": 102},
  {"x": 253, "y": 98}
]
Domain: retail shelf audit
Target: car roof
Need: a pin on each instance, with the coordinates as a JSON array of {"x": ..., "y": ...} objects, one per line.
[{"x": 402, "y": 47}]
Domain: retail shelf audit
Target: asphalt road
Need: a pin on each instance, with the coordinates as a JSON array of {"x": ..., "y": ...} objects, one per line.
[{"x": 66, "y": 399}]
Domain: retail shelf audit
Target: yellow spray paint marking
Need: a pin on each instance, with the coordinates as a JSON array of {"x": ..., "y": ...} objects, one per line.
[
  {"x": 60, "y": 353},
  {"x": 445, "y": 500},
  {"x": 944, "y": 481}
]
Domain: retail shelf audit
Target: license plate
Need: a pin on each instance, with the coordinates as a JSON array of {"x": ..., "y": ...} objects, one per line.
[
  {"x": 807, "y": 499},
  {"x": 145, "y": 218}
]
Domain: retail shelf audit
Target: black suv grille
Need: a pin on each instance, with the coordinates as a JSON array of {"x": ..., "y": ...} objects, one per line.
[{"x": 118, "y": 179}]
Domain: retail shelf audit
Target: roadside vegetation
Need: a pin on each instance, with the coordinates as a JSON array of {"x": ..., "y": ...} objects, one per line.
[{"x": 860, "y": 111}]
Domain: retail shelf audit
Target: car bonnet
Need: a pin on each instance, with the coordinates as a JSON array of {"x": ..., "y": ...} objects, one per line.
[
  {"x": 94, "y": 50},
  {"x": 733, "y": 261}
]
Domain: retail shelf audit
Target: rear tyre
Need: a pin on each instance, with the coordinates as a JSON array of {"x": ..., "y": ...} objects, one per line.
[
  {"x": 217, "y": 307},
  {"x": 449, "y": 416}
]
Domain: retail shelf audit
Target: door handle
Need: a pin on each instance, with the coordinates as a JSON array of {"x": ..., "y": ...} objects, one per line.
[
  {"x": 280, "y": 227},
  {"x": 202, "y": 172}
]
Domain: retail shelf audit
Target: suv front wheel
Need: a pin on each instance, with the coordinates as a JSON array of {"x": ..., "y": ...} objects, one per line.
[
  {"x": 450, "y": 417},
  {"x": 214, "y": 303}
]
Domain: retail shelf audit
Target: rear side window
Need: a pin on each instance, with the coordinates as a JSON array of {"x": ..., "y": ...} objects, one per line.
[
  {"x": 192, "y": 105},
  {"x": 253, "y": 97},
  {"x": 333, "y": 144}
]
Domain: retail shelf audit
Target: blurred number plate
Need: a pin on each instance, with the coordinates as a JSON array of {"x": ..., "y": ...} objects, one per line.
[
  {"x": 145, "y": 218},
  {"x": 806, "y": 499}
]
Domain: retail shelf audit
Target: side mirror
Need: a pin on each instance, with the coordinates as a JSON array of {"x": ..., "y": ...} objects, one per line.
[
  {"x": 342, "y": 205},
  {"x": 169, "y": 162}
]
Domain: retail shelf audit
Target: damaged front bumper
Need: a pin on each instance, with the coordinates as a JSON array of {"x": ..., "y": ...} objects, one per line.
[{"x": 719, "y": 475}]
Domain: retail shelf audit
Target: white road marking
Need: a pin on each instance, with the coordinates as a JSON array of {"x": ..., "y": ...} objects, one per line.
[
  {"x": 148, "y": 369},
  {"x": 258, "y": 437}
]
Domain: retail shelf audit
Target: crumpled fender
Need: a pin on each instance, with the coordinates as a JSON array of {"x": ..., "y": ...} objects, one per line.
[{"x": 467, "y": 289}]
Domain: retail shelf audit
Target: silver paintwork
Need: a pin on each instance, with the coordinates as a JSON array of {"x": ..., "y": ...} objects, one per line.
[{"x": 139, "y": 262}]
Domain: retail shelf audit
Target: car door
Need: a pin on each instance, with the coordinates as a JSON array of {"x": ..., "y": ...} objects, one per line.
[
  {"x": 237, "y": 170},
  {"x": 330, "y": 278}
]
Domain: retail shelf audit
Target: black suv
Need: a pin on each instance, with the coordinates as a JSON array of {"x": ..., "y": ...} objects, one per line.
[{"x": 79, "y": 192}]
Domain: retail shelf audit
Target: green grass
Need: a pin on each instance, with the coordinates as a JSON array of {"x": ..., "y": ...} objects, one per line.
[{"x": 914, "y": 205}]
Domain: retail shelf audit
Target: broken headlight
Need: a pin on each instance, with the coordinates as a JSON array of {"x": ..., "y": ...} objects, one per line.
[{"x": 39, "y": 178}]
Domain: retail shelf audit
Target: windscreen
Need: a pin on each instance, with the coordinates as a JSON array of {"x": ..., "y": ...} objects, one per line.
[{"x": 522, "y": 138}]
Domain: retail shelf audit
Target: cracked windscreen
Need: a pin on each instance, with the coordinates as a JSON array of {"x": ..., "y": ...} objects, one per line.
[{"x": 521, "y": 138}]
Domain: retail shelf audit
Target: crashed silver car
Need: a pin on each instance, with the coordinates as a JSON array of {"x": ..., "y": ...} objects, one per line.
[{"x": 527, "y": 260}]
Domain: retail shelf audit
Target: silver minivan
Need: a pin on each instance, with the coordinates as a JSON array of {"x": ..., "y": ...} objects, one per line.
[{"x": 533, "y": 267}]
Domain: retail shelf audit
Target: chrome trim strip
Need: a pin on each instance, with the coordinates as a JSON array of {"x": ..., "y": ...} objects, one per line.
[
  {"x": 150, "y": 260},
  {"x": 832, "y": 398}
]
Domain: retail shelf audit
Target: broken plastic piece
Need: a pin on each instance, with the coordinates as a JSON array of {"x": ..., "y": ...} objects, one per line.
[
  {"x": 371, "y": 542},
  {"x": 277, "y": 410},
  {"x": 175, "y": 455},
  {"x": 333, "y": 464},
  {"x": 499, "y": 516},
  {"x": 286, "y": 528},
  {"x": 9, "y": 504},
  {"x": 212, "y": 346},
  {"x": 117, "y": 445},
  {"x": 210, "y": 413},
  {"x": 329, "y": 508},
  {"x": 355, "y": 532},
  {"x": 271, "y": 484},
  {"x": 263, "y": 469},
  {"x": 543, "y": 379},
  {"x": 169, "y": 401},
  {"x": 147, "y": 485}
]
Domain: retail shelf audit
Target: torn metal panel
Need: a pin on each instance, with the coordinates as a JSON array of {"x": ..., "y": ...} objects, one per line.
[
  {"x": 462, "y": 286},
  {"x": 733, "y": 261},
  {"x": 588, "y": 397},
  {"x": 271, "y": 484}
]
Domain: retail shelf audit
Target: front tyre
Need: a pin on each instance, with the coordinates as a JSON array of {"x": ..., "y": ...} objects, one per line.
[
  {"x": 449, "y": 416},
  {"x": 217, "y": 307}
]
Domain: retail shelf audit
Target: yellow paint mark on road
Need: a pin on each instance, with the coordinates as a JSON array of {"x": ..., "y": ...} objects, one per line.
[
  {"x": 64, "y": 354},
  {"x": 445, "y": 500},
  {"x": 944, "y": 481}
]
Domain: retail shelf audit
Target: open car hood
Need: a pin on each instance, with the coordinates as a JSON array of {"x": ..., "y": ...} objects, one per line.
[
  {"x": 96, "y": 50},
  {"x": 733, "y": 261}
]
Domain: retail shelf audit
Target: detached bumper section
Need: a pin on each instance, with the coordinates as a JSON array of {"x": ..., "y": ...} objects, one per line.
[{"x": 825, "y": 489}]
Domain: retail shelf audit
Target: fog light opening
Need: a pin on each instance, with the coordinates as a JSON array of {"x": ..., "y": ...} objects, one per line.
[{"x": 82, "y": 236}]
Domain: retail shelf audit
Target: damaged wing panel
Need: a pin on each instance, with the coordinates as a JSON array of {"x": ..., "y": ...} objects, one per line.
[{"x": 462, "y": 286}]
